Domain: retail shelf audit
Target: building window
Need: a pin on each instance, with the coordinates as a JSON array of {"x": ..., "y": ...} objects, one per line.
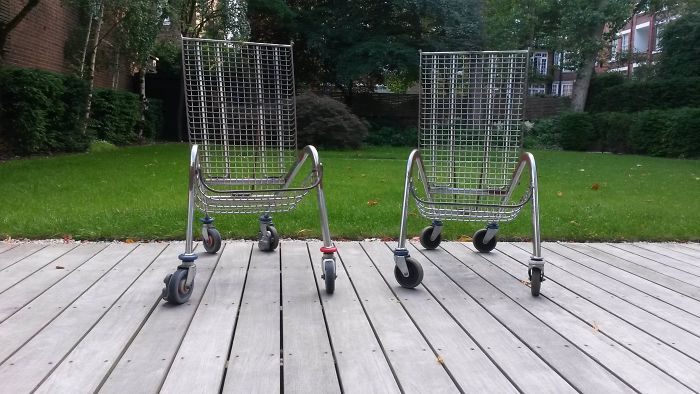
[
  {"x": 625, "y": 38},
  {"x": 567, "y": 88},
  {"x": 561, "y": 59},
  {"x": 537, "y": 89},
  {"x": 539, "y": 62},
  {"x": 613, "y": 51},
  {"x": 658, "y": 32}
]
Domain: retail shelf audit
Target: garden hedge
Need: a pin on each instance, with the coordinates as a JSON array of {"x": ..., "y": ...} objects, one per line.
[
  {"x": 41, "y": 112},
  {"x": 638, "y": 96},
  {"x": 668, "y": 133}
]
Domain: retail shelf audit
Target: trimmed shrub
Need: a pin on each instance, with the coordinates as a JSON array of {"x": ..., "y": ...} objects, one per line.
[
  {"x": 599, "y": 83},
  {"x": 544, "y": 134},
  {"x": 325, "y": 122},
  {"x": 613, "y": 129},
  {"x": 41, "y": 111},
  {"x": 114, "y": 116},
  {"x": 389, "y": 136},
  {"x": 647, "y": 95},
  {"x": 577, "y": 132}
]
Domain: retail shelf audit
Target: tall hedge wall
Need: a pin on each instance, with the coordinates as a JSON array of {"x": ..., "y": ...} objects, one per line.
[
  {"x": 41, "y": 112},
  {"x": 638, "y": 96},
  {"x": 669, "y": 133}
]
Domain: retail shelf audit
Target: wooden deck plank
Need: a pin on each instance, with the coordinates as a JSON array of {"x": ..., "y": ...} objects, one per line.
[
  {"x": 692, "y": 245},
  {"x": 145, "y": 362},
  {"x": 511, "y": 354},
  {"x": 637, "y": 372},
  {"x": 362, "y": 365},
  {"x": 665, "y": 331},
  {"x": 414, "y": 364},
  {"x": 601, "y": 262},
  {"x": 200, "y": 362},
  {"x": 17, "y": 297},
  {"x": 5, "y": 246},
  {"x": 88, "y": 363},
  {"x": 308, "y": 359},
  {"x": 635, "y": 339},
  {"x": 254, "y": 361},
  {"x": 654, "y": 261},
  {"x": 685, "y": 248},
  {"x": 631, "y": 288},
  {"x": 35, "y": 315},
  {"x": 29, "y": 265},
  {"x": 26, "y": 368},
  {"x": 666, "y": 255},
  {"x": 580, "y": 370},
  {"x": 19, "y": 252},
  {"x": 638, "y": 268},
  {"x": 467, "y": 361}
]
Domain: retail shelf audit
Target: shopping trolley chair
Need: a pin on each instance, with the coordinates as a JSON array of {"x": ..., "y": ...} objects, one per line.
[
  {"x": 469, "y": 159},
  {"x": 241, "y": 125}
]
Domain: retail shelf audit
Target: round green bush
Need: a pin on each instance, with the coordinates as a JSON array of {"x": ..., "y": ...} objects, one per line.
[{"x": 325, "y": 122}]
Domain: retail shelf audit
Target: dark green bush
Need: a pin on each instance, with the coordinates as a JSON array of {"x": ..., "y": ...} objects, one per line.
[
  {"x": 577, "y": 132},
  {"x": 613, "y": 129},
  {"x": 389, "y": 136},
  {"x": 646, "y": 132},
  {"x": 154, "y": 120},
  {"x": 41, "y": 111},
  {"x": 544, "y": 134},
  {"x": 326, "y": 122},
  {"x": 672, "y": 133},
  {"x": 114, "y": 116},
  {"x": 647, "y": 95},
  {"x": 599, "y": 83}
]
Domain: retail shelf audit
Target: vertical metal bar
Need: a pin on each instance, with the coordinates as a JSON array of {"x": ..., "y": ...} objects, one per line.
[
  {"x": 261, "y": 111},
  {"x": 199, "y": 64},
  {"x": 278, "y": 105},
  {"x": 452, "y": 121},
  {"x": 222, "y": 106}
]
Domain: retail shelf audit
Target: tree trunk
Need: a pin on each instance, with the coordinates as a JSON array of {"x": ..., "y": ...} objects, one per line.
[
  {"x": 85, "y": 48},
  {"x": 579, "y": 92},
  {"x": 93, "y": 57},
  {"x": 6, "y": 28},
  {"x": 144, "y": 100}
]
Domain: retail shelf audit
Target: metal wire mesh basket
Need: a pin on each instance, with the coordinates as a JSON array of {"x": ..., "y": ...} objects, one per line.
[
  {"x": 241, "y": 114},
  {"x": 471, "y": 106}
]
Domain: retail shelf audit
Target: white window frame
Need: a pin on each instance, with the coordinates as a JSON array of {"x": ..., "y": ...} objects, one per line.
[
  {"x": 567, "y": 88},
  {"x": 624, "y": 42},
  {"x": 537, "y": 89},
  {"x": 539, "y": 62}
]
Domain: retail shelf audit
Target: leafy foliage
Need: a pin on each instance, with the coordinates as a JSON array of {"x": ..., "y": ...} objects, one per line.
[
  {"x": 390, "y": 136},
  {"x": 326, "y": 122},
  {"x": 645, "y": 95},
  {"x": 681, "y": 54}
]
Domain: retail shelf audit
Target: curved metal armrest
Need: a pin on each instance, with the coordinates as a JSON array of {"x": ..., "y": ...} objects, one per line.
[
  {"x": 525, "y": 159},
  {"x": 316, "y": 166},
  {"x": 194, "y": 165},
  {"x": 415, "y": 157}
]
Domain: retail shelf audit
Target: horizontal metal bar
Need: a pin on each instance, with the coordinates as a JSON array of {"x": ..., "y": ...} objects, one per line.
[
  {"x": 473, "y": 52},
  {"x": 244, "y": 181},
  {"x": 236, "y": 42},
  {"x": 471, "y": 192}
]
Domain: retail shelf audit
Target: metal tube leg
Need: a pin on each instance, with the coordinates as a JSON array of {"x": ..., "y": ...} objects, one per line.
[
  {"x": 323, "y": 213},
  {"x": 536, "y": 259},
  {"x": 401, "y": 253},
  {"x": 187, "y": 259}
]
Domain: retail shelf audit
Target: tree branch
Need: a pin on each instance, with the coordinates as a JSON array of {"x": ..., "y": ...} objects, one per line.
[{"x": 5, "y": 29}]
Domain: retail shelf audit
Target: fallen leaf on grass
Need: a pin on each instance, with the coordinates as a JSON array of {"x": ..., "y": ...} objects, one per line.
[
  {"x": 129, "y": 241},
  {"x": 560, "y": 194},
  {"x": 595, "y": 186},
  {"x": 303, "y": 231},
  {"x": 67, "y": 239},
  {"x": 372, "y": 203},
  {"x": 464, "y": 238}
]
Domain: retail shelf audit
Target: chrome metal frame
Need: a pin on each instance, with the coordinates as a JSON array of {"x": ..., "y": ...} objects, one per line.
[
  {"x": 470, "y": 157},
  {"x": 241, "y": 116}
]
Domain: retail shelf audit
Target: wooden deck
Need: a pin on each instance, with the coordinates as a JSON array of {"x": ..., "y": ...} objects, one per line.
[{"x": 611, "y": 318}]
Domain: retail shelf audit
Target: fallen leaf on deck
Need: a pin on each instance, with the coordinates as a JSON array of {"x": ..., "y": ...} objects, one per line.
[
  {"x": 464, "y": 238},
  {"x": 525, "y": 282},
  {"x": 67, "y": 238},
  {"x": 129, "y": 241},
  {"x": 60, "y": 267},
  {"x": 596, "y": 327},
  {"x": 440, "y": 360}
]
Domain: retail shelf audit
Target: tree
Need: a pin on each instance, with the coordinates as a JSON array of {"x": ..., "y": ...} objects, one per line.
[
  {"x": 580, "y": 27},
  {"x": 6, "y": 28},
  {"x": 681, "y": 53},
  {"x": 211, "y": 18}
]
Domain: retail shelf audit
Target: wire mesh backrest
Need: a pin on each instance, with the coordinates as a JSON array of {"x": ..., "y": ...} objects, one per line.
[
  {"x": 240, "y": 109},
  {"x": 471, "y": 107}
]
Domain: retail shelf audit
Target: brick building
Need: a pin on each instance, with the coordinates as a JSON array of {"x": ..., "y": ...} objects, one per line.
[
  {"x": 550, "y": 75},
  {"x": 41, "y": 37}
]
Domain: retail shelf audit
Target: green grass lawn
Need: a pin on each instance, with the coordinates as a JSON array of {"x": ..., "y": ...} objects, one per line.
[{"x": 141, "y": 193}]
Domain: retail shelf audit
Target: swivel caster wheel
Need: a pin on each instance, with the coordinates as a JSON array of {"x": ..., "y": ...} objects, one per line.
[
  {"x": 272, "y": 241},
  {"x": 176, "y": 290},
  {"x": 329, "y": 275},
  {"x": 478, "y": 241},
  {"x": 213, "y": 242},
  {"x": 415, "y": 274},
  {"x": 425, "y": 238},
  {"x": 536, "y": 277}
]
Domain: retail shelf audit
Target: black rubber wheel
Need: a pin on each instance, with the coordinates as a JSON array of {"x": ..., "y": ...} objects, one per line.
[
  {"x": 425, "y": 238},
  {"x": 329, "y": 275},
  {"x": 415, "y": 274},
  {"x": 177, "y": 292},
  {"x": 535, "y": 281},
  {"x": 274, "y": 240},
  {"x": 213, "y": 243},
  {"x": 478, "y": 241}
]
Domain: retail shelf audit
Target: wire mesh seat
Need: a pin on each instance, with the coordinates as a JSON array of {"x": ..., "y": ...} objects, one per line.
[
  {"x": 469, "y": 158},
  {"x": 241, "y": 117}
]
